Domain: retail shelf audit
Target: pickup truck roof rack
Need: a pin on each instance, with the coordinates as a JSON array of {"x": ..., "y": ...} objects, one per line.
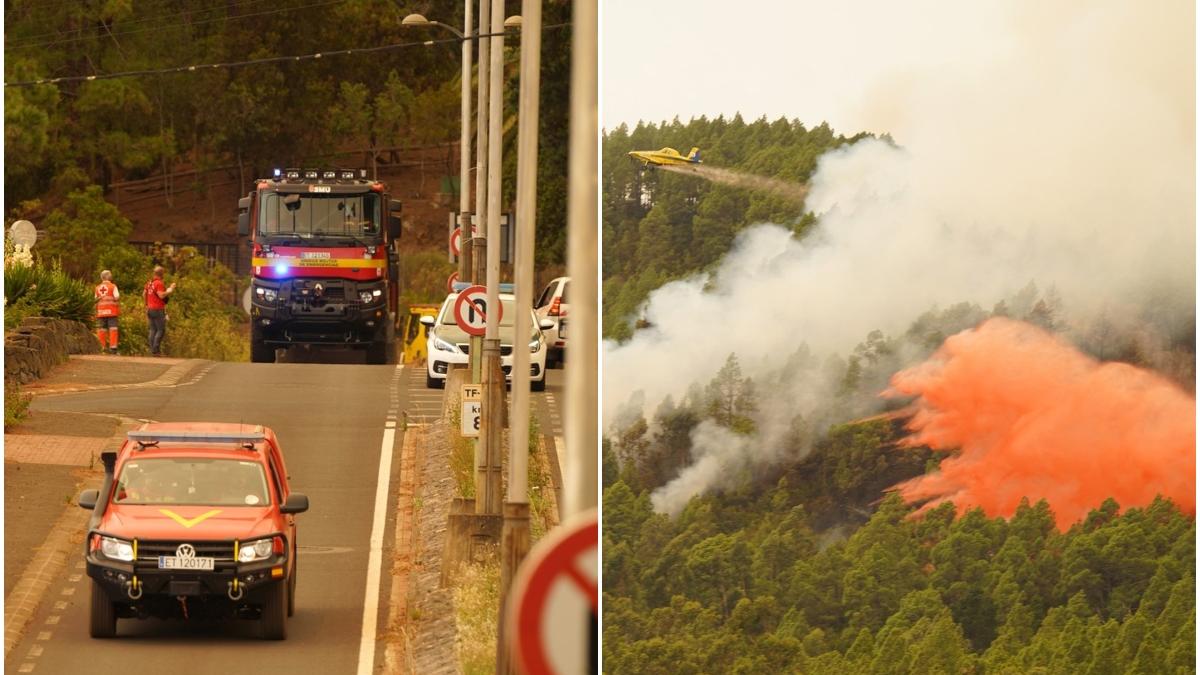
[{"x": 246, "y": 439}]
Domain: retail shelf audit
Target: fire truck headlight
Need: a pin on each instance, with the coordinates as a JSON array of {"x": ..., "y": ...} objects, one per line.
[{"x": 364, "y": 296}]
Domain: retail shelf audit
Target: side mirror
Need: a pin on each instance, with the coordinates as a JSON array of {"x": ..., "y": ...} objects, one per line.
[
  {"x": 88, "y": 499},
  {"x": 394, "y": 219},
  {"x": 243, "y": 227},
  {"x": 296, "y": 503},
  {"x": 545, "y": 324},
  {"x": 427, "y": 320},
  {"x": 244, "y": 204}
]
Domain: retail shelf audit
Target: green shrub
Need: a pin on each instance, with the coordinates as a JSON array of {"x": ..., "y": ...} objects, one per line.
[
  {"x": 16, "y": 404},
  {"x": 39, "y": 290},
  {"x": 423, "y": 277}
]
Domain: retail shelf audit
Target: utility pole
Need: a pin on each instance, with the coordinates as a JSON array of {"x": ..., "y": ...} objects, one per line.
[
  {"x": 481, "y": 168},
  {"x": 492, "y": 413},
  {"x": 514, "y": 540},
  {"x": 464, "y": 147},
  {"x": 581, "y": 373}
]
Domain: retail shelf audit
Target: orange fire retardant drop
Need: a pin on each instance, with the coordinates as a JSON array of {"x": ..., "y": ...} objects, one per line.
[{"x": 1032, "y": 416}]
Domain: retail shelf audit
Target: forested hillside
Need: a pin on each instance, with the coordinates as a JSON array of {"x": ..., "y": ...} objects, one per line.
[
  {"x": 751, "y": 519},
  {"x": 60, "y": 137},
  {"x": 659, "y": 226}
]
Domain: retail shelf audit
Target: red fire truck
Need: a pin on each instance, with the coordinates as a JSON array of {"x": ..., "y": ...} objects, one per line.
[{"x": 325, "y": 262}]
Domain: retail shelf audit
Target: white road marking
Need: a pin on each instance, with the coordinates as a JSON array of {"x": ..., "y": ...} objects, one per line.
[
  {"x": 53, "y": 619},
  {"x": 26, "y": 668},
  {"x": 69, "y": 590},
  {"x": 366, "y": 647},
  {"x": 35, "y": 651},
  {"x": 61, "y": 604},
  {"x": 43, "y": 635},
  {"x": 75, "y": 577}
]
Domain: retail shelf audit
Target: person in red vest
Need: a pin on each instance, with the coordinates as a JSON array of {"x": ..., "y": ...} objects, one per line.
[
  {"x": 108, "y": 309},
  {"x": 157, "y": 295}
]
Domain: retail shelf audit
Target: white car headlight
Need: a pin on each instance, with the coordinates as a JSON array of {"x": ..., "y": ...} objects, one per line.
[
  {"x": 254, "y": 550},
  {"x": 116, "y": 549},
  {"x": 442, "y": 345},
  {"x": 535, "y": 344}
]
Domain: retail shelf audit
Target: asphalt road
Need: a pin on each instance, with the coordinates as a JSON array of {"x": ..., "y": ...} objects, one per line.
[{"x": 330, "y": 421}]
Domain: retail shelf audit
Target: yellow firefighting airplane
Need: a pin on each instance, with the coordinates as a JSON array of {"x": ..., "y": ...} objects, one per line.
[{"x": 666, "y": 156}]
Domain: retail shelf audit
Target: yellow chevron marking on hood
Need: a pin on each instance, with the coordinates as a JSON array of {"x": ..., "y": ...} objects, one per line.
[{"x": 184, "y": 521}]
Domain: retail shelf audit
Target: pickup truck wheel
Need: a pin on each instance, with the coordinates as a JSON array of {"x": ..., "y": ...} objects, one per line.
[
  {"x": 274, "y": 613},
  {"x": 261, "y": 353},
  {"x": 102, "y": 619}
]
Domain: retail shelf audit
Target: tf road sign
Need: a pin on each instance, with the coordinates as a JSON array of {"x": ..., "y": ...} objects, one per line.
[
  {"x": 450, "y": 281},
  {"x": 456, "y": 241},
  {"x": 471, "y": 310},
  {"x": 552, "y": 612},
  {"x": 472, "y": 409}
]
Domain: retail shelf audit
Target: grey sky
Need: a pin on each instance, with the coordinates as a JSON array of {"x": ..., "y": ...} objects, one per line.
[{"x": 815, "y": 61}]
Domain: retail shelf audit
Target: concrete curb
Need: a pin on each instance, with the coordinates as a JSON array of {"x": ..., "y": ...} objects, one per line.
[
  {"x": 171, "y": 378},
  {"x": 48, "y": 563}
]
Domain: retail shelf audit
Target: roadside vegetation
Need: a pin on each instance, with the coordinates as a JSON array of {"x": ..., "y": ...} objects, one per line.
[
  {"x": 16, "y": 404},
  {"x": 87, "y": 234}
]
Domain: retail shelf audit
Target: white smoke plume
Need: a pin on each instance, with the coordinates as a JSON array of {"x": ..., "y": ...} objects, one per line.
[{"x": 1063, "y": 156}]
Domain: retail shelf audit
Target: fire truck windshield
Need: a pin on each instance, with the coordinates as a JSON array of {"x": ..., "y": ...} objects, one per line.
[{"x": 349, "y": 217}]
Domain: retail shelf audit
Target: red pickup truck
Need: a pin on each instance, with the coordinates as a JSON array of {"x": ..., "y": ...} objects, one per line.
[{"x": 193, "y": 521}]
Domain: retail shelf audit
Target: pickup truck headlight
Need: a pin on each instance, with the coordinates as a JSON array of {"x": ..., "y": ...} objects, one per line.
[
  {"x": 266, "y": 294},
  {"x": 116, "y": 549},
  {"x": 252, "y": 551},
  {"x": 442, "y": 345}
]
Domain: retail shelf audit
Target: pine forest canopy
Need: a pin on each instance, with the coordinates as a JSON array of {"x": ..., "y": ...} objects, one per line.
[
  {"x": 660, "y": 226},
  {"x": 129, "y": 128}
]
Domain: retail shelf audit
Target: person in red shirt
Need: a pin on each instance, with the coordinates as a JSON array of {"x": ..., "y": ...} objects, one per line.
[
  {"x": 108, "y": 309},
  {"x": 157, "y": 295}
]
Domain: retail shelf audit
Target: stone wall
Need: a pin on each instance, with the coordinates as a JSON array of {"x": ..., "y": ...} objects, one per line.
[{"x": 39, "y": 344}]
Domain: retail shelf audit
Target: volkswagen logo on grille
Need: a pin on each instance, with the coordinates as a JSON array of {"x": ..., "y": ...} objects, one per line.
[{"x": 186, "y": 551}]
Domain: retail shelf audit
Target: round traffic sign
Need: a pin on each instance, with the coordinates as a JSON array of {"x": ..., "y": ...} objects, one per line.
[
  {"x": 450, "y": 281},
  {"x": 456, "y": 241},
  {"x": 552, "y": 620},
  {"x": 470, "y": 310},
  {"x": 23, "y": 233}
]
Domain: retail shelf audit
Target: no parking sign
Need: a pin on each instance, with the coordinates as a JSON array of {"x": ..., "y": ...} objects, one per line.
[{"x": 552, "y": 619}]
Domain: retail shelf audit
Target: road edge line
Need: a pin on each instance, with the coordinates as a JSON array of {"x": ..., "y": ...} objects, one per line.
[{"x": 370, "y": 621}]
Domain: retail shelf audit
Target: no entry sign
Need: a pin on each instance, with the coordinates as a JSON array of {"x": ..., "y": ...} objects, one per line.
[
  {"x": 552, "y": 618},
  {"x": 471, "y": 310}
]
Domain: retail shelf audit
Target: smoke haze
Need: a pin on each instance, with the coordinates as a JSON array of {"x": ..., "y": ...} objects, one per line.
[
  {"x": 1062, "y": 154},
  {"x": 791, "y": 191}
]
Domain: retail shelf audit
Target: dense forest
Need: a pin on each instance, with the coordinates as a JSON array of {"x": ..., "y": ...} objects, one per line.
[
  {"x": 62, "y": 137},
  {"x": 660, "y": 226},
  {"x": 778, "y": 545}
]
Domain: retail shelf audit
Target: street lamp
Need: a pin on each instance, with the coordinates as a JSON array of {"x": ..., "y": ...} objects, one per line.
[{"x": 420, "y": 20}]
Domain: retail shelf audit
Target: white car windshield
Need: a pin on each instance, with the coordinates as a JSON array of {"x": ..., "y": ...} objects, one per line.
[{"x": 218, "y": 482}]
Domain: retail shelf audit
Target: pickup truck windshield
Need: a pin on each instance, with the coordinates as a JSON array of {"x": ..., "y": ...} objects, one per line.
[
  {"x": 218, "y": 482},
  {"x": 348, "y": 216}
]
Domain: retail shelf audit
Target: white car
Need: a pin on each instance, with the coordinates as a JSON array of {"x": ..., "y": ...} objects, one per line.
[
  {"x": 448, "y": 344},
  {"x": 551, "y": 306}
]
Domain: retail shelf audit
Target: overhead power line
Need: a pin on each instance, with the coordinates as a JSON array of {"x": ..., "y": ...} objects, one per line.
[
  {"x": 239, "y": 64},
  {"x": 193, "y": 23},
  {"x": 173, "y": 19}
]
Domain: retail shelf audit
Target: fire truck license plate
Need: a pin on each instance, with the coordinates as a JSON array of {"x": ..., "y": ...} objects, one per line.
[{"x": 171, "y": 562}]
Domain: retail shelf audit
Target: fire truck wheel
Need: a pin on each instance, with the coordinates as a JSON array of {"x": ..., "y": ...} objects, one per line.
[
  {"x": 274, "y": 612},
  {"x": 102, "y": 620},
  {"x": 261, "y": 353}
]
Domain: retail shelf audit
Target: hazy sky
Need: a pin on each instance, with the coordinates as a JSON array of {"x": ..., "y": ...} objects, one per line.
[{"x": 831, "y": 61}]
